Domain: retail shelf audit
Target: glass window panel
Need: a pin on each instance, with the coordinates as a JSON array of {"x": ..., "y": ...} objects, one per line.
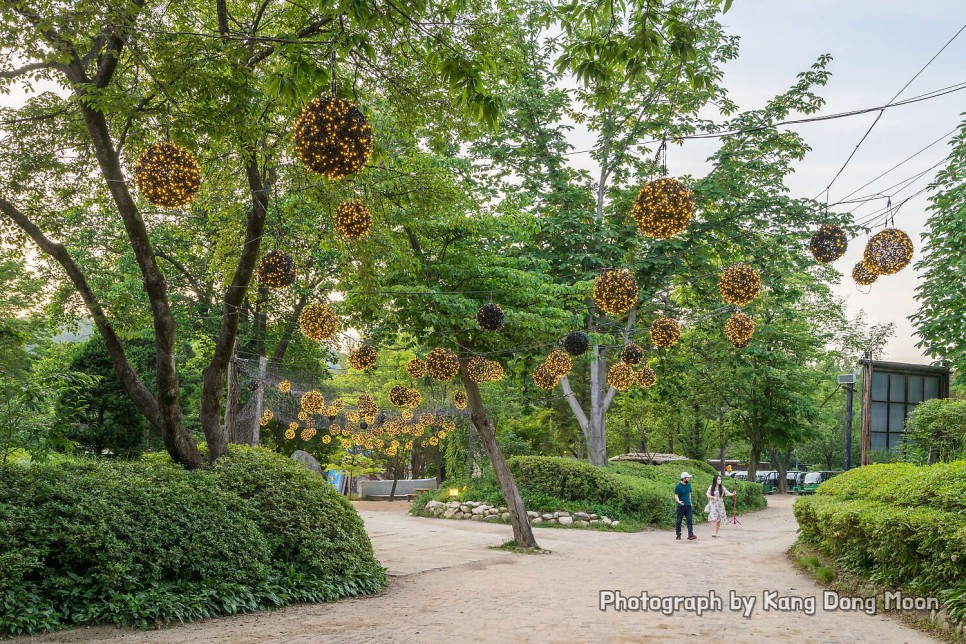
[
  {"x": 879, "y": 416},
  {"x": 897, "y": 418},
  {"x": 880, "y": 386},
  {"x": 931, "y": 388},
  {"x": 879, "y": 440},
  {"x": 897, "y": 387},
  {"x": 915, "y": 388}
]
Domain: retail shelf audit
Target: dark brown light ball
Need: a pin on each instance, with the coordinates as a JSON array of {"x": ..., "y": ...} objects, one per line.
[
  {"x": 576, "y": 343},
  {"x": 276, "y": 269},
  {"x": 366, "y": 405},
  {"x": 665, "y": 332},
  {"x": 490, "y": 317},
  {"x": 615, "y": 291},
  {"x": 632, "y": 354},
  {"x": 332, "y": 137},
  {"x": 559, "y": 362},
  {"x": 398, "y": 395},
  {"x": 888, "y": 252},
  {"x": 621, "y": 376},
  {"x": 416, "y": 368},
  {"x": 828, "y": 243},
  {"x": 544, "y": 377},
  {"x": 442, "y": 364},
  {"x": 460, "y": 400},
  {"x": 363, "y": 358},
  {"x": 739, "y": 284},
  {"x": 352, "y": 220},
  {"x": 646, "y": 377},
  {"x": 477, "y": 369},
  {"x": 862, "y": 275},
  {"x": 318, "y": 322},
  {"x": 167, "y": 175},
  {"x": 663, "y": 208},
  {"x": 739, "y": 328}
]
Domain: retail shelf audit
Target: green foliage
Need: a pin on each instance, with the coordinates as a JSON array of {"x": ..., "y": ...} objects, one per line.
[
  {"x": 900, "y": 524},
  {"x": 936, "y": 431},
  {"x": 138, "y": 543}
]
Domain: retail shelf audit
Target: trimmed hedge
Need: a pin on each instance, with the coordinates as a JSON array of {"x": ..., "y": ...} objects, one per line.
[
  {"x": 641, "y": 494},
  {"x": 900, "y": 524},
  {"x": 135, "y": 543}
]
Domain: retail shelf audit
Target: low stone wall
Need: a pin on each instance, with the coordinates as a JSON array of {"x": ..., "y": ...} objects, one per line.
[{"x": 475, "y": 511}]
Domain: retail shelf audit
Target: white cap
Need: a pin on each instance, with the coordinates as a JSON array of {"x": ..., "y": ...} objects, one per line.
[{"x": 685, "y": 475}]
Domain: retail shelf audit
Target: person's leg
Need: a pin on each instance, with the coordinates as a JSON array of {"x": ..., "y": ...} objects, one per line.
[
  {"x": 717, "y": 525},
  {"x": 677, "y": 524},
  {"x": 689, "y": 513}
]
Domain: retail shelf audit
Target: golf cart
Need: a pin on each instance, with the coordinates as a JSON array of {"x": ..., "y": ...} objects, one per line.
[{"x": 813, "y": 479}]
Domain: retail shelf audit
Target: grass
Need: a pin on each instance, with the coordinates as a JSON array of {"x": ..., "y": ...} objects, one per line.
[{"x": 511, "y": 546}]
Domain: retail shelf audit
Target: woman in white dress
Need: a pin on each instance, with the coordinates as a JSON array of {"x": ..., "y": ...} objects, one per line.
[{"x": 716, "y": 507}]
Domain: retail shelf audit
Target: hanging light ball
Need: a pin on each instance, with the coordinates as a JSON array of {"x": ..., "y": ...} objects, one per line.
[
  {"x": 397, "y": 395},
  {"x": 576, "y": 343},
  {"x": 544, "y": 377},
  {"x": 477, "y": 369},
  {"x": 460, "y": 400},
  {"x": 413, "y": 398},
  {"x": 621, "y": 376},
  {"x": 363, "y": 358},
  {"x": 615, "y": 291},
  {"x": 442, "y": 364},
  {"x": 366, "y": 405},
  {"x": 307, "y": 434},
  {"x": 494, "y": 371},
  {"x": 332, "y": 137},
  {"x": 739, "y": 284},
  {"x": 559, "y": 362},
  {"x": 276, "y": 269},
  {"x": 284, "y": 386},
  {"x": 318, "y": 322},
  {"x": 407, "y": 414},
  {"x": 828, "y": 243},
  {"x": 416, "y": 368},
  {"x": 888, "y": 252},
  {"x": 665, "y": 332},
  {"x": 352, "y": 220},
  {"x": 167, "y": 175},
  {"x": 862, "y": 275},
  {"x": 289, "y": 433},
  {"x": 313, "y": 402},
  {"x": 253, "y": 385},
  {"x": 632, "y": 354},
  {"x": 739, "y": 328},
  {"x": 663, "y": 208},
  {"x": 646, "y": 377},
  {"x": 490, "y": 317}
]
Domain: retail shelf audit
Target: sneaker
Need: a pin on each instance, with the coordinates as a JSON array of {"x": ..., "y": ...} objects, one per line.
[
  {"x": 678, "y": 537},
  {"x": 692, "y": 538}
]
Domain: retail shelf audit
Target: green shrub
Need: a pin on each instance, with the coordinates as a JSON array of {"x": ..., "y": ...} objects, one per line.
[{"x": 134, "y": 543}]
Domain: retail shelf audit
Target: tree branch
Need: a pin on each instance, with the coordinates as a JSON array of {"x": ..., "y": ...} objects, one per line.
[
  {"x": 575, "y": 406},
  {"x": 203, "y": 296},
  {"x": 23, "y": 71},
  {"x": 305, "y": 32}
]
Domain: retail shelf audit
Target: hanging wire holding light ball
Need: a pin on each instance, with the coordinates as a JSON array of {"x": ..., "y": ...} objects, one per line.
[
  {"x": 352, "y": 220},
  {"x": 332, "y": 137},
  {"x": 862, "y": 275},
  {"x": 167, "y": 175},
  {"x": 276, "y": 269},
  {"x": 362, "y": 358},
  {"x": 739, "y": 284},
  {"x": 646, "y": 377},
  {"x": 615, "y": 291},
  {"x": 631, "y": 353},
  {"x": 621, "y": 376},
  {"x": 318, "y": 322},
  {"x": 665, "y": 332},
  {"x": 740, "y": 328},
  {"x": 576, "y": 343},
  {"x": 490, "y": 317},
  {"x": 888, "y": 251},
  {"x": 442, "y": 364},
  {"x": 828, "y": 243},
  {"x": 663, "y": 208}
]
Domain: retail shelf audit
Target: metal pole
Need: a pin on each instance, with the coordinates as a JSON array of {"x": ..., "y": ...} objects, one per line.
[{"x": 849, "y": 390}]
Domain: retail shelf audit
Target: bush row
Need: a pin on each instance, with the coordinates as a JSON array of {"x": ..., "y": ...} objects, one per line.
[
  {"x": 136, "y": 543},
  {"x": 942, "y": 485}
]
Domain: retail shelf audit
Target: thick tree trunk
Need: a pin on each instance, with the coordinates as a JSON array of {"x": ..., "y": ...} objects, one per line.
[
  {"x": 753, "y": 461},
  {"x": 522, "y": 531}
]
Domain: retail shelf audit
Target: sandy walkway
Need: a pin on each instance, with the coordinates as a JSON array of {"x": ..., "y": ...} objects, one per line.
[{"x": 447, "y": 586}]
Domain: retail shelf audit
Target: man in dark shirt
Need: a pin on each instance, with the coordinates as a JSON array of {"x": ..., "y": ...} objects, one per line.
[{"x": 682, "y": 496}]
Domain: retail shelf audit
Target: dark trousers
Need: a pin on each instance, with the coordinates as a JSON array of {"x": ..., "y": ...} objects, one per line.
[{"x": 685, "y": 511}]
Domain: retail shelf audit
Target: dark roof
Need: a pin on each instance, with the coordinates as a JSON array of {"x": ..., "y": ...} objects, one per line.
[{"x": 903, "y": 367}]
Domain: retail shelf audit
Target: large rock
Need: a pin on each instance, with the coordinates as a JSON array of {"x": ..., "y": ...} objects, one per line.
[
  {"x": 566, "y": 520},
  {"x": 480, "y": 509},
  {"x": 582, "y": 516},
  {"x": 307, "y": 460},
  {"x": 450, "y": 513}
]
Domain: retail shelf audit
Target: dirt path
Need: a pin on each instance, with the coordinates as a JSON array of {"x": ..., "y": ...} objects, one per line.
[{"x": 448, "y": 586}]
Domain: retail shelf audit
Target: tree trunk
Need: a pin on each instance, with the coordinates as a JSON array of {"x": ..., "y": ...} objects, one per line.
[
  {"x": 753, "y": 461},
  {"x": 253, "y": 436},
  {"x": 522, "y": 531},
  {"x": 231, "y": 406}
]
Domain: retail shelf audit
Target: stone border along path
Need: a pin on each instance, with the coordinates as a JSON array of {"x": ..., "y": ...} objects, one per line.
[{"x": 447, "y": 585}]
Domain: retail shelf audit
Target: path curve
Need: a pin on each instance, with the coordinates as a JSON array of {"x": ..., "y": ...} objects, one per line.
[{"x": 446, "y": 585}]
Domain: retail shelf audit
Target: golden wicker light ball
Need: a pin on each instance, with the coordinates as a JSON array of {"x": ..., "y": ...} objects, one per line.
[
  {"x": 665, "y": 332},
  {"x": 740, "y": 328},
  {"x": 366, "y": 405},
  {"x": 416, "y": 368},
  {"x": 862, "y": 275},
  {"x": 352, "y": 220},
  {"x": 490, "y": 317},
  {"x": 663, "y": 208},
  {"x": 167, "y": 175},
  {"x": 313, "y": 401},
  {"x": 632, "y": 353},
  {"x": 442, "y": 364},
  {"x": 646, "y": 377},
  {"x": 326, "y": 439},
  {"x": 289, "y": 433},
  {"x": 284, "y": 386},
  {"x": 318, "y": 322},
  {"x": 559, "y": 362},
  {"x": 621, "y": 376},
  {"x": 460, "y": 400},
  {"x": 888, "y": 252},
  {"x": 615, "y": 291},
  {"x": 362, "y": 358},
  {"x": 828, "y": 243},
  {"x": 276, "y": 269},
  {"x": 739, "y": 284},
  {"x": 544, "y": 377},
  {"x": 332, "y": 137}
]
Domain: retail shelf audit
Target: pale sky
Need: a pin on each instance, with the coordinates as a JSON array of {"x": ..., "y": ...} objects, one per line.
[{"x": 877, "y": 47}]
